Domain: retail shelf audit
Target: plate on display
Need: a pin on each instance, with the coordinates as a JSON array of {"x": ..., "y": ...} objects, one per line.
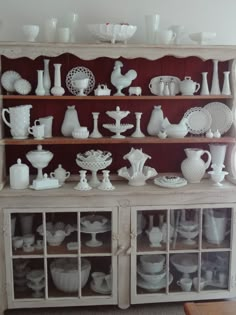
[
  {"x": 154, "y": 83},
  {"x": 153, "y": 288},
  {"x": 222, "y": 116},
  {"x": 199, "y": 120},
  {"x": 103, "y": 289},
  {"x": 8, "y": 79},
  {"x": 163, "y": 181},
  {"x": 78, "y": 73}
]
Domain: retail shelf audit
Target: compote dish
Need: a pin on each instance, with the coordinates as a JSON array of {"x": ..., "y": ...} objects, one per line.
[
  {"x": 94, "y": 160},
  {"x": 118, "y": 128}
]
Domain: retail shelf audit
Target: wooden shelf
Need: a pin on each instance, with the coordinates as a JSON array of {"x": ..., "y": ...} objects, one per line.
[
  {"x": 127, "y": 140},
  {"x": 110, "y": 98}
]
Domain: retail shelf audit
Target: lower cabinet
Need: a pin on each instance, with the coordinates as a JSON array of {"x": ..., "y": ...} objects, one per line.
[{"x": 84, "y": 256}]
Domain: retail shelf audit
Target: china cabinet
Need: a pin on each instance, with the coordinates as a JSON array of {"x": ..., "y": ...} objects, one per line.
[{"x": 129, "y": 244}]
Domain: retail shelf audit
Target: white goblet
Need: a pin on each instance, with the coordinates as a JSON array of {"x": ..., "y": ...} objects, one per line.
[
  {"x": 31, "y": 32},
  {"x": 81, "y": 85},
  {"x": 218, "y": 177}
]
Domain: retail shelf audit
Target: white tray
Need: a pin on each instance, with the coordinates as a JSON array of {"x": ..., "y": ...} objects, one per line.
[{"x": 154, "y": 83}]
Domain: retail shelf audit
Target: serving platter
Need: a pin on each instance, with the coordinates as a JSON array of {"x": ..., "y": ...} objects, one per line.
[{"x": 154, "y": 83}]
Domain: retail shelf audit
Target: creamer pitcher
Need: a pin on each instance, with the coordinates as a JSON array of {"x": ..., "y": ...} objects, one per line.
[{"x": 19, "y": 120}]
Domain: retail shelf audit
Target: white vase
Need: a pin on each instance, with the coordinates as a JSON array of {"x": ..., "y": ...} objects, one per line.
[
  {"x": 46, "y": 77},
  {"x": 218, "y": 152},
  {"x": 156, "y": 119},
  {"x": 226, "y": 90},
  {"x": 70, "y": 122},
  {"x": 49, "y": 29},
  {"x": 194, "y": 167},
  {"x": 40, "y": 88},
  {"x": 57, "y": 89},
  {"x": 204, "y": 86},
  {"x": 215, "y": 86},
  {"x": 26, "y": 223}
]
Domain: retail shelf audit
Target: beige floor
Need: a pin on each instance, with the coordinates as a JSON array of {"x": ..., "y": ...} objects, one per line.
[{"x": 150, "y": 309}]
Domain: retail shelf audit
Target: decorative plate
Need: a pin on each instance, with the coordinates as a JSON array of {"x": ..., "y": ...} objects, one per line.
[
  {"x": 154, "y": 83},
  {"x": 163, "y": 182},
  {"x": 8, "y": 79},
  {"x": 22, "y": 86},
  {"x": 198, "y": 120},
  {"x": 222, "y": 116},
  {"x": 153, "y": 288},
  {"x": 80, "y": 73}
]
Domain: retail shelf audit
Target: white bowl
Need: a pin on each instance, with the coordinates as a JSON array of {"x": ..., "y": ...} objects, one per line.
[
  {"x": 152, "y": 278},
  {"x": 202, "y": 38},
  {"x": 152, "y": 263},
  {"x": 93, "y": 222},
  {"x": 31, "y": 32},
  {"x": 112, "y": 32},
  {"x": 65, "y": 274},
  {"x": 186, "y": 263},
  {"x": 188, "y": 225}
]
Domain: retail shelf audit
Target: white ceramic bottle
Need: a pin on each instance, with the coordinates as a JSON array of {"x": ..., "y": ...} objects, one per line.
[
  {"x": 19, "y": 175},
  {"x": 70, "y": 122},
  {"x": 156, "y": 119}
]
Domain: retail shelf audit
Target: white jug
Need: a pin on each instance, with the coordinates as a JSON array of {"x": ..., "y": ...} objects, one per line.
[
  {"x": 19, "y": 120},
  {"x": 193, "y": 167}
]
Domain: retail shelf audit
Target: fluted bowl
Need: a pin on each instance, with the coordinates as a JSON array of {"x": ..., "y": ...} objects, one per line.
[
  {"x": 112, "y": 32},
  {"x": 65, "y": 274}
]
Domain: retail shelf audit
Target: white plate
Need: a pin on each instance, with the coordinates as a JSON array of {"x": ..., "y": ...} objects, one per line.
[
  {"x": 153, "y": 288},
  {"x": 222, "y": 116},
  {"x": 162, "y": 183},
  {"x": 154, "y": 83},
  {"x": 198, "y": 120},
  {"x": 8, "y": 79},
  {"x": 22, "y": 86},
  {"x": 80, "y": 73},
  {"x": 102, "y": 290}
]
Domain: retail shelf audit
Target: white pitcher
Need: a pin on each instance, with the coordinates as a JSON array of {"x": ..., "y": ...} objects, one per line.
[
  {"x": 215, "y": 223},
  {"x": 19, "y": 120},
  {"x": 193, "y": 167}
]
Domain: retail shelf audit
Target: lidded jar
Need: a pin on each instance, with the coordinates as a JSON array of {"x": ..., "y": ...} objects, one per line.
[
  {"x": 61, "y": 174},
  {"x": 19, "y": 175}
]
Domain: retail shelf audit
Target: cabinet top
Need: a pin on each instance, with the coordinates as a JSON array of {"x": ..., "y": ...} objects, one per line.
[{"x": 92, "y": 51}]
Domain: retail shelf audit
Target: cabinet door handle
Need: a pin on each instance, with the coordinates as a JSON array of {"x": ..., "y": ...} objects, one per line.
[
  {"x": 120, "y": 249},
  {"x": 128, "y": 251}
]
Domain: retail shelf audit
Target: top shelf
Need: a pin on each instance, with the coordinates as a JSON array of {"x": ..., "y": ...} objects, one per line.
[
  {"x": 90, "y": 97},
  {"x": 115, "y": 51}
]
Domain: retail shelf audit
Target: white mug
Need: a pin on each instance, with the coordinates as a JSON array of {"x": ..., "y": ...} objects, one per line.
[
  {"x": 166, "y": 36},
  {"x": 185, "y": 284},
  {"x": 37, "y": 131},
  {"x": 47, "y": 122},
  {"x": 63, "y": 34}
]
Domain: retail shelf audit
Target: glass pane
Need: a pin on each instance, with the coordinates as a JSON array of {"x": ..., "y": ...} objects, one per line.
[
  {"x": 95, "y": 231},
  {"x": 216, "y": 228},
  {"x": 151, "y": 274},
  {"x": 29, "y": 278}
]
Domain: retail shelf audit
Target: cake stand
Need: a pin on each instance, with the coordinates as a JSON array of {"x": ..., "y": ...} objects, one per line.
[{"x": 93, "y": 242}]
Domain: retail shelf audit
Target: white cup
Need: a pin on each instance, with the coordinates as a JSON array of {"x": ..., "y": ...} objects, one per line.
[
  {"x": 185, "y": 284},
  {"x": 201, "y": 284},
  {"x": 63, "y": 34},
  {"x": 37, "y": 131},
  {"x": 222, "y": 278},
  {"x": 49, "y": 29},
  {"x": 47, "y": 122},
  {"x": 152, "y": 22},
  {"x": 166, "y": 36},
  {"x": 209, "y": 275}
]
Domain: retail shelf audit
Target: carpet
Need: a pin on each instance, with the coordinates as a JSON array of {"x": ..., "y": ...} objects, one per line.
[{"x": 150, "y": 309}]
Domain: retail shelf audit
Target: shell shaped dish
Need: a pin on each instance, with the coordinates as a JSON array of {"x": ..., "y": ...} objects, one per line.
[
  {"x": 8, "y": 79},
  {"x": 22, "y": 86},
  {"x": 112, "y": 32}
]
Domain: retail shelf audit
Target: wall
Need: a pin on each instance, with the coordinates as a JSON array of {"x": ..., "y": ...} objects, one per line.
[{"x": 195, "y": 15}]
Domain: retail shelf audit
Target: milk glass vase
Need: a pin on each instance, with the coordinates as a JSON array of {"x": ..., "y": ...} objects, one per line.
[
  {"x": 215, "y": 86},
  {"x": 226, "y": 90},
  {"x": 46, "y": 77},
  {"x": 57, "y": 89},
  {"x": 204, "y": 86},
  {"x": 40, "y": 88}
]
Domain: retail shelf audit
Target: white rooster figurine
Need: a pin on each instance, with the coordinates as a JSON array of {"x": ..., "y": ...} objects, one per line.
[{"x": 119, "y": 80}]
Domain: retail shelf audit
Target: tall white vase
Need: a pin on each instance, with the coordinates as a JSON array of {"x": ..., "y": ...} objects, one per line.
[
  {"x": 215, "y": 85},
  {"x": 57, "y": 89},
  {"x": 40, "y": 88},
  {"x": 46, "y": 77},
  {"x": 204, "y": 86},
  {"x": 226, "y": 90},
  {"x": 218, "y": 152}
]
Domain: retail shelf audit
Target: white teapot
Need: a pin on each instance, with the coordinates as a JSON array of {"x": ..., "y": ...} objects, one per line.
[{"x": 188, "y": 86}]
